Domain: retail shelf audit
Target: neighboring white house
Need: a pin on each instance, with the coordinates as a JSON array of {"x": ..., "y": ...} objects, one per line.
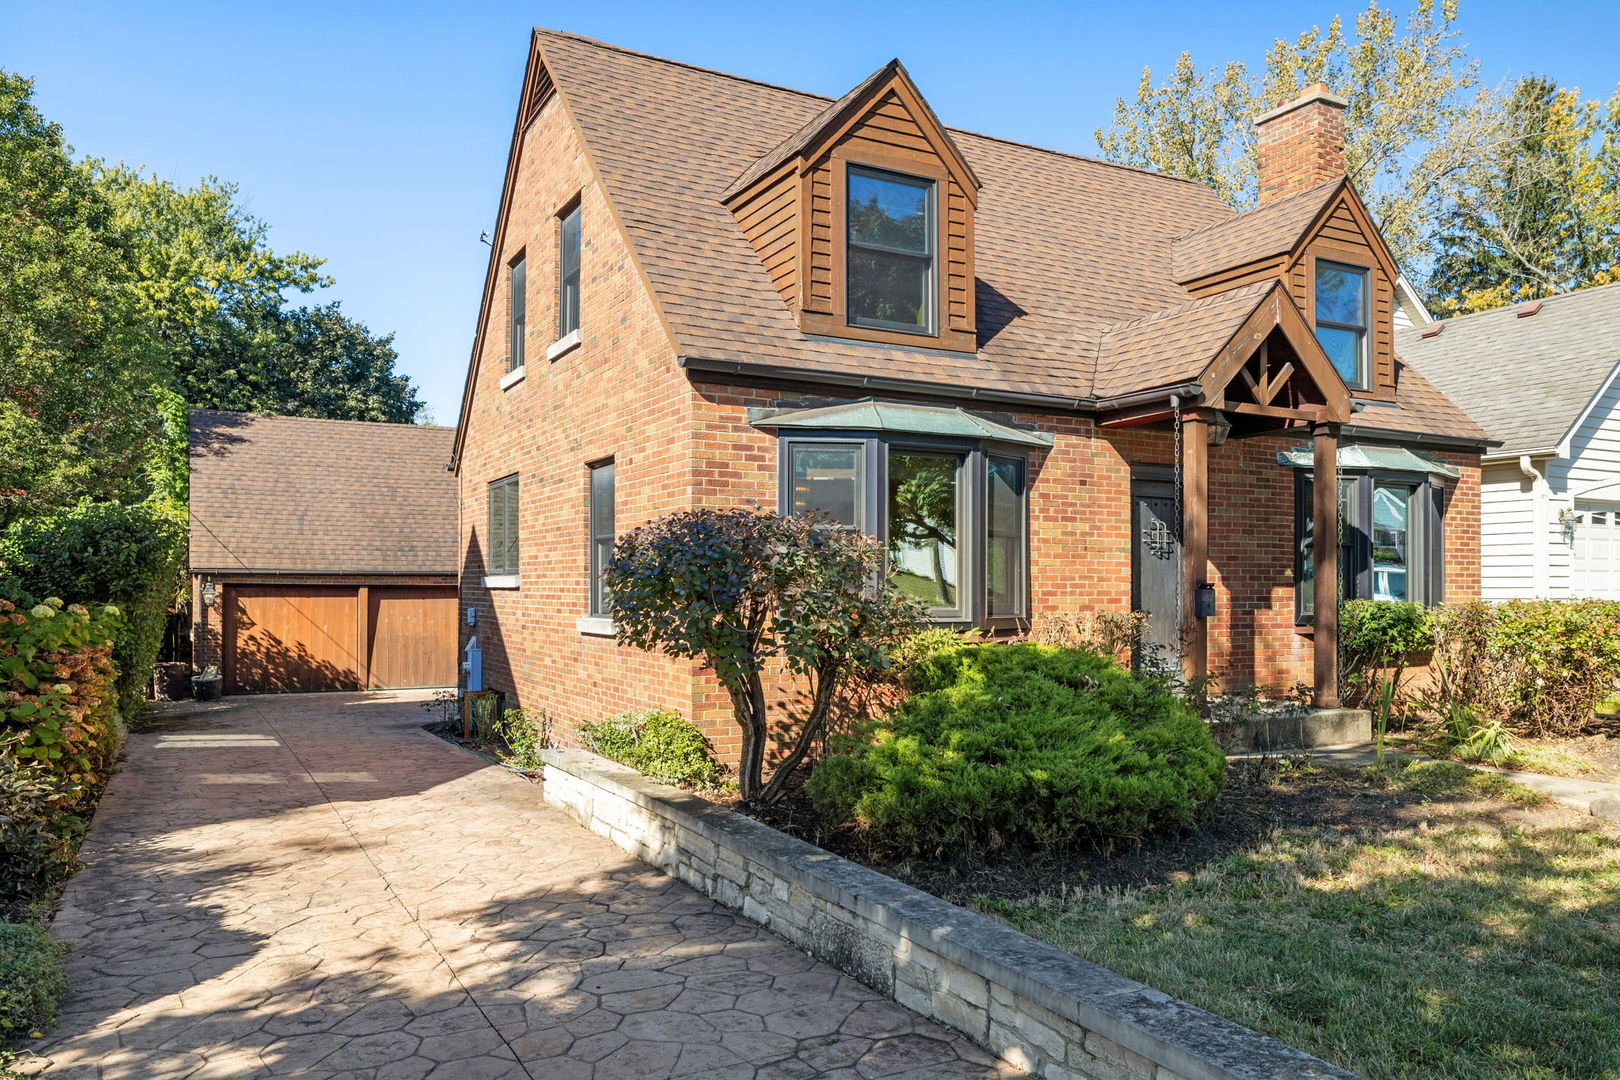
[{"x": 1541, "y": 377}]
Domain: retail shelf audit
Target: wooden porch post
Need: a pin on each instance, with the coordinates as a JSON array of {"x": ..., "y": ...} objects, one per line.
[
  {"x": 1194, "y": 539},
  {"x": 1325, "y": 554}
]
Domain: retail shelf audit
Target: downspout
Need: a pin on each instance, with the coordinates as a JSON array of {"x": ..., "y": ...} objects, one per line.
[{"x": 1538, "y": 525}]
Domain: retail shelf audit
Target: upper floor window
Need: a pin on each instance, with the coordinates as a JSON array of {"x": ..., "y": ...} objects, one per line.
[
  {"x": 1341, "y": 319},
  {"x": 518, "y": 308},
  {"x": 568, "y": 273},
  {"x": 889, "y": 259},
  {"x": 501, "y": 537},
  {"x": 601, "y": 523}
]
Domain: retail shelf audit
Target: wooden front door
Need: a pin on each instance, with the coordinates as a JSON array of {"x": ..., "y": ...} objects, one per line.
[
  {"x": 1156, "y": 570},
  {"x": 291, "y": 638},
  {"x": 412, "y": 632}
]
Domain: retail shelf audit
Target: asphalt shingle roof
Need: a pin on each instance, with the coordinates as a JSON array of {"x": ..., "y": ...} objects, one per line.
[
  {"x": 1068, "y": 249},
  {"x": 288, "y": 493},
  {"x": 1525, "y": 380}
]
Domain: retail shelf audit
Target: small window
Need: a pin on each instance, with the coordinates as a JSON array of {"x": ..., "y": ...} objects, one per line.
[
  {"x": 1006, "y": 554},
  {"x": 889, "y": 263},
  {"x": 568, "y": 273},
  {"x": 827, "y": 478},
  {"x": 602, "y": 534},
  {"x": 1341, "y": 319},
  {"x": 501, "y": 537},
  {"x": 518, "y": 307}
]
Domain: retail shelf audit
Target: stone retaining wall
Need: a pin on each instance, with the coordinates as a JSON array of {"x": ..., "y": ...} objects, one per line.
[{"x": 1041, "y": 1009}]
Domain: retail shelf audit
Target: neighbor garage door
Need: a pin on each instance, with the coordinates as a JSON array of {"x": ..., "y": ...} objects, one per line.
[
  {"x": 294, "y": 638},
  {"x": 1596, "y": 550}
]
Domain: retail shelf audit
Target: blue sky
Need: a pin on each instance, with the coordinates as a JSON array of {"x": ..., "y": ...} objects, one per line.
[{"x": 375, "y": 134}]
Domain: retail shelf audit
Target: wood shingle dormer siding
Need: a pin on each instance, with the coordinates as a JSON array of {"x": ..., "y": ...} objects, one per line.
[{"x": 791, "y": 204}]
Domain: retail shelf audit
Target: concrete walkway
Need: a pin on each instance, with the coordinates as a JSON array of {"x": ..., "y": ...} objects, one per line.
[{"x": 313, "y": 886}]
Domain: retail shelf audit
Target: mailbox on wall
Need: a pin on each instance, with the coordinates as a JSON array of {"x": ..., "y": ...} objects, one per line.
[{"x": 1204, "y": 601}]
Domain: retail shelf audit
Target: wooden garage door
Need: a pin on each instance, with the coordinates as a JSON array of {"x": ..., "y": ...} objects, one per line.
[
  {"x": 289, "y": 638},
  {"x": 412, "y": 632}
]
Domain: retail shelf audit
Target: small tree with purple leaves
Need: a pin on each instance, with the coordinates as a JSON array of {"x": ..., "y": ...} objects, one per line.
[{"x": 746, "y": 589}]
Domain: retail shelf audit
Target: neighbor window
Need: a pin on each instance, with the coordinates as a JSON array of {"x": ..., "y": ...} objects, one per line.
[
  {"x": 1390, "y": 540},
  {"x": 568, "y": 273},
  {"x": 518, "y": 307},
  {"x": 501, "y": 537},
  {"x": 889, "y": 256},
  {"x": 602, "y": 535},
  {"x": 1341, "y": 319},
  {"x": 952, "y": 517}
]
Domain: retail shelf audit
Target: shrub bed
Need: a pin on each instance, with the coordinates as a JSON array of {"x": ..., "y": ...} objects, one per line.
[
  {"x": 658, "y": 744},
  {"x": 1020, "y": 746},
  {"x": 107, "y": 553},
  {"x": 32, "y": 979}
]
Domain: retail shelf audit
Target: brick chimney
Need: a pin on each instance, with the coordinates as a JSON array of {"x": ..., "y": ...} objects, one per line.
[{"x": 1301, "y": 144}]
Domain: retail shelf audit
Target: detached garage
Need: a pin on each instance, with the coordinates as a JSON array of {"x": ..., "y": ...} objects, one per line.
[{"x": 323, "y": 553}]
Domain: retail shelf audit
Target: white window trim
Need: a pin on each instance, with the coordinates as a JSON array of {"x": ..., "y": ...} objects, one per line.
[
  {"x": 564, "y": 345},
  {"x": 513, "y": 377},
  {"x": 503, "y": 581},
  {"x": 596, "y": 626}
]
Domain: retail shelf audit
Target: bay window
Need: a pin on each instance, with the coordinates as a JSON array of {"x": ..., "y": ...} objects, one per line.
[
  {"x": 952, "y": 516},
  {"x": 1390, "y": 540}
]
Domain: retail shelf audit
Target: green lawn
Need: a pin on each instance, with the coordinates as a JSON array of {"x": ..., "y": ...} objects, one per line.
[{"x": 1479, "y": 949}]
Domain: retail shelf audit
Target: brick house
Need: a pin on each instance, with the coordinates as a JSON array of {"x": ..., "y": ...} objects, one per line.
[
  {"x": 710, "y": 291},
  {"x": 323, "y": 553}
]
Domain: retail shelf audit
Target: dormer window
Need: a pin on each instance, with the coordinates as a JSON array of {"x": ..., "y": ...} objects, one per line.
[
  {"x": 890, "y": 256},
  {"x": 1341, "y": 320}
]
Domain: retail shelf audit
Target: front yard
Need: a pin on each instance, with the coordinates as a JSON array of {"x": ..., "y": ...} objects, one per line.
[{"x": 1415, "y": 922}]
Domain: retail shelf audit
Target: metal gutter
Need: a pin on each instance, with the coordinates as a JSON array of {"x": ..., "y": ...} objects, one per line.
[
  {"x": 783, "y": 373},
  {"x": 1443, "y": 442}
]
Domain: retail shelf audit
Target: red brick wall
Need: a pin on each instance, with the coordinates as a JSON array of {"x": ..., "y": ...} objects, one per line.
[{"x": 619, "y": 395}]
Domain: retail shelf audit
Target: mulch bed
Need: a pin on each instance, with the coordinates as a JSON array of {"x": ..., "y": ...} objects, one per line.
[{"x": 1259, "y": 797}]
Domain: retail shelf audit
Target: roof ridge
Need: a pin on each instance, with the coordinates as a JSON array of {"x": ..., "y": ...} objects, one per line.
[
  {"x": 1070, "y": 154},
  {"x": 1298, "y": 196},
  {"x": 326, "y": 419},
  {"x": 1520, "y": 303}
]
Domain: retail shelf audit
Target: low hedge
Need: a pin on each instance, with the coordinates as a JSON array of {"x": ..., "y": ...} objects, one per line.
[
  {"x": 32, "y": 980},
  {"x": 1020, "y": 746},
  {"x": 106, "y": 553},
  {"x": 658, "y": 744}
]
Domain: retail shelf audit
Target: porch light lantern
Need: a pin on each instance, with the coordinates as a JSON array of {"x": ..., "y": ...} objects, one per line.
[
  {"x": 1219, "y": 428},
  {"x": 208, "y": 594}
]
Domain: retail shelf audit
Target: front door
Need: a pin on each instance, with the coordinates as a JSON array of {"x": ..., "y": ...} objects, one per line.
[{"x": 1156, "y": 570}]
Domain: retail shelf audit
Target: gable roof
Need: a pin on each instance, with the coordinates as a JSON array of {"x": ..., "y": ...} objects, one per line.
[
  {"x": 290, "y": 493},
  {"x": 1528, "y": 381},
  {"x": 1066, "y": 247},
  {"x": 1274, "y": 228}
]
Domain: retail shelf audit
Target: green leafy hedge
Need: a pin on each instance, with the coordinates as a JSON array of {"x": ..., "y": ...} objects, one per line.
[
  {"x": 32, "y": 979},
  {"x": 106, "y": 553},
  {"x": 1021, "y": 746},
  {"x": 657, "y": 744}
]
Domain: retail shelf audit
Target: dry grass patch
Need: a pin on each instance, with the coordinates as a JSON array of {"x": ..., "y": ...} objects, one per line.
[{"x": 1473, "y": 949}]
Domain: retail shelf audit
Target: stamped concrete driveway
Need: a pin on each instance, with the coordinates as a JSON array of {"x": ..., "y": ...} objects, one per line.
[{"x": 313, "y": 886}]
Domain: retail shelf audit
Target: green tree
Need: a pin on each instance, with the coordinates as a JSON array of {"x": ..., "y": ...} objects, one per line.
[
  {"x": 77, "y": 358},
  {"x": 1538, "y": 213},
  {"x": 214, "y": 289},
  {"x": 750, "y": 593},
  {"x": 1414, "y": 118}
]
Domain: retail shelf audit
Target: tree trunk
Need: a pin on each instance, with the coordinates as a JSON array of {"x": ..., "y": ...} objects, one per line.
[{"x": 820, "y": 705}]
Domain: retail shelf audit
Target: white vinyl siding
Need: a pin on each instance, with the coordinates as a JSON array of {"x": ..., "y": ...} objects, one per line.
[
  {"x": 1507, "y": 514},
  {"x": 1589, "y": 476}
]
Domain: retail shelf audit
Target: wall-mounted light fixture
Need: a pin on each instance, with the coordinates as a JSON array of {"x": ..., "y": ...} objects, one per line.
[
  {"x": 1219, "y": 428},
  {"x": 209, "y": 595}
]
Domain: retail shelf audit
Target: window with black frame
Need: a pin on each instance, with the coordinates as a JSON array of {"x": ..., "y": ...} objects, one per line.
[
  {"x": 501, "y": 533},
  {"x": 601, "y": 524},
  {"x": 568, "y": 249},
  {"x": 954, "y": 520},
  {"x": 1391, "y": 533},
  {"x": 889, "y": 254},
  {"x": 518, "y": 311}
]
